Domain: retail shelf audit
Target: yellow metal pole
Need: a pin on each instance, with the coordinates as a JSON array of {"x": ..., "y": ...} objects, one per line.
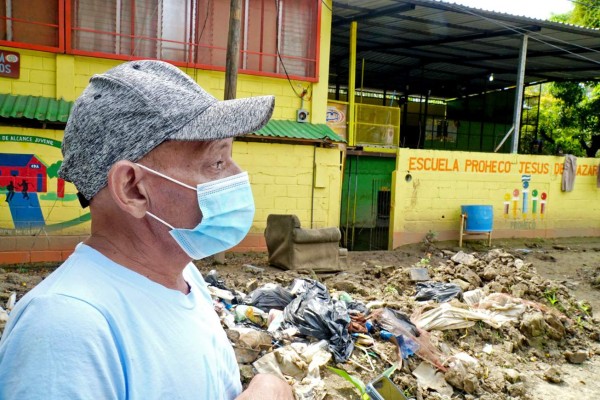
[
  {"x": 352, "y": 84},
  {"x": 362, "y": 81}
]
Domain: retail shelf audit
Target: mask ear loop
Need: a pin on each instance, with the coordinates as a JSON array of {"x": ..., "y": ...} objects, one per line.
[
  {"x": 166, "y": 177},
  {"x": 170, "y": 179},
  {"x": 160, "y": 220}
]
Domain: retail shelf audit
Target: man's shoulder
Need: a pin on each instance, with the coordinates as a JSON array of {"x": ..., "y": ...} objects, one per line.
[
  {"x": 82, "y": 269},
  {"x": 80, "y": 279}
]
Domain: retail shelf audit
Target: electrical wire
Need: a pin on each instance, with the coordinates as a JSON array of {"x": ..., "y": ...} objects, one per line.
[
  {"x": 205, "y": 19},
  {"x": 300, "y": 96},
  {"x": 139, "y": 38},
  {"x": 326, "y": 6},
  {"x": 531, "y": 33},
  {"x": 198, "y": 41},
  {"x": 535, "y": 36}
]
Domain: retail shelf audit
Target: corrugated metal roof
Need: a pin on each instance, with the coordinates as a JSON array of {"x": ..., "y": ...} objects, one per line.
[
  {"x": 449, "y": 50},
  {"x": 43, "y": 109},
  {"x": 298, "y": 130}
]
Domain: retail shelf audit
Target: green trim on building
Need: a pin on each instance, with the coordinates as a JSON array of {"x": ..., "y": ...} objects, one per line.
[
  {"x": 43, "y": 109},
  {"x": 298, "y": 130}
]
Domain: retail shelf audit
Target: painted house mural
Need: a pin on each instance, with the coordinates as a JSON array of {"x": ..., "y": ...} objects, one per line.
[
  {"x": 26, "y": 174},
  {"x": 33, "y": 198}
]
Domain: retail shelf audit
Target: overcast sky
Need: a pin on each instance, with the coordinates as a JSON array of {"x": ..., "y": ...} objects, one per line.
[{"x": 541, "y": 9}]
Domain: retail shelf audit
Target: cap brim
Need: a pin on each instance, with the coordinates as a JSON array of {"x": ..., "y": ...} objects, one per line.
[{"x": 228, "y": 118}]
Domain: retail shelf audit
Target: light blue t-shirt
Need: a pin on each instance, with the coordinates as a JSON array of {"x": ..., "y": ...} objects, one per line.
[{"x": 96, "y": 330}]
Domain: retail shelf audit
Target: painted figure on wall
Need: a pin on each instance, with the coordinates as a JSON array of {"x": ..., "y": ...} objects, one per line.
[
  {"x": 24, "y": 186},
  {"x": 10, "y": 191}
]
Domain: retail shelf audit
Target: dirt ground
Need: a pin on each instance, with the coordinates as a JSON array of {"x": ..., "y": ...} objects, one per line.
[{"x": 560, "y": 278}]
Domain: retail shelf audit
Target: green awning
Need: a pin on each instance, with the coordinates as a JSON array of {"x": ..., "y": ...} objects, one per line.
[
  {"x": 45, "y": 109},
  {"x": 298, "y": 130}
]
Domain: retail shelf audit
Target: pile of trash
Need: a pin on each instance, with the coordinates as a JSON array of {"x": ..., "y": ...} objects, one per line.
[{"x": 474, "y": 325}]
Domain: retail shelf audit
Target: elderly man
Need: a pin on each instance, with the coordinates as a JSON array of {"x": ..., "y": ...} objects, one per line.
[{"x": 128, "y": 316}]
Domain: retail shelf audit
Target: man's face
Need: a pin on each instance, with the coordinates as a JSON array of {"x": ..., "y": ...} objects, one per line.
[{"x": 191, "y": 163}]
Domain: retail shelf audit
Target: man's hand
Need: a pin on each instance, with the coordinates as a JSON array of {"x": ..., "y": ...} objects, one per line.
[{"x": 267, "y": 387}]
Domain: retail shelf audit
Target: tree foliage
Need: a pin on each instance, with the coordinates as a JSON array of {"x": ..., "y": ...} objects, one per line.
[
  {"x": 570, "y": 111},
  {"x": 52, "y": 170}
]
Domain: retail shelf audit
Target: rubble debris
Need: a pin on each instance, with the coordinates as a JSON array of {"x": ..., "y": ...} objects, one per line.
[
  {"x": 533, "y": 324},
  {"x": 248, "y": 343},
  {"x": 509, "y": 329},
  {"x": 302, "y": 363},
  {"x": 577, "y": 357},
  {"x": 3, "y": 315},
  {"x": 430, "y": 378},
  {"x": 419, "y": 274},
  {"x": 553, "y": 375},
  {"x": 253, "y": 269},
  {"x": 512, "y": 375},
  {"x": 464, "y": 258},
  {"x": 400, "y": 326}
]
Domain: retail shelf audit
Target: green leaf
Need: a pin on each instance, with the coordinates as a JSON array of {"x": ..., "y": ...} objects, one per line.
[
  {"x": 388, "y": 372},
  {"x": 360, "y": 385}
]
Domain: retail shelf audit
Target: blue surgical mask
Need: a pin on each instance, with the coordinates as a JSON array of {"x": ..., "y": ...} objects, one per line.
[{"x": 227, "y": 208}]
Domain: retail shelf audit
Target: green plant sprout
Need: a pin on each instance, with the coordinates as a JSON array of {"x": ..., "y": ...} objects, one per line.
[
  {"x": 425, "y": 261},
  {"x": 357, "y": 382},
  {"x": 550, "y": 295},
  {"x": 584, "y": 307},
  {"x": 430, "y": 236}
]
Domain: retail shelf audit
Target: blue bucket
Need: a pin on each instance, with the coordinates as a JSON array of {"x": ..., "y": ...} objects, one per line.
[{"x": 479, "y": 218}]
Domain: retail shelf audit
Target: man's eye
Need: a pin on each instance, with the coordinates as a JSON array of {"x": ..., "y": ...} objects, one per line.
[{"x": 219, "y": 164}]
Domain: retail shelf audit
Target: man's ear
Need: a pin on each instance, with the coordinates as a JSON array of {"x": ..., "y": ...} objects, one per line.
[{"x": 127, "y": 189}]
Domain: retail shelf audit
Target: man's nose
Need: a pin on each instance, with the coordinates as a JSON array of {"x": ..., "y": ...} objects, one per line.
[{"x": 234, "y": 168}]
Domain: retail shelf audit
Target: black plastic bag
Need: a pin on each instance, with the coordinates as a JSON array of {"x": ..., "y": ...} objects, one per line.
[
  {"x": 269, "y": 296},
  {"x": 213, "y": 279},
  {"x": 316, "y": 314},
  {"x": 438, "y": 291},
  {"x": 300, "y": 286}
]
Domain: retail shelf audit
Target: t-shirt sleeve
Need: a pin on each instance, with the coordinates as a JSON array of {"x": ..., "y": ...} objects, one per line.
[{"x": 60, "y": 347}]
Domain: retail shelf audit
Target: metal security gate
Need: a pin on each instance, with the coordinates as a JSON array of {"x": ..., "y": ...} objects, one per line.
[{"x": 366, "y": 202}]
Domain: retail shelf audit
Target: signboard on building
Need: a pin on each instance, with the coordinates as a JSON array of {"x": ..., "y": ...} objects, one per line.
[
  {"x": 10, "y": 64},
  {"x": 336, "y": 117}
]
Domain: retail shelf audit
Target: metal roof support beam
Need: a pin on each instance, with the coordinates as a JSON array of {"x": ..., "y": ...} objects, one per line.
[
  {"x": 352, "y": 83},
  {"x": 366, "y": 15},
  {"x": 519, "y": 95},
  {"x": 459, "y": 39}
]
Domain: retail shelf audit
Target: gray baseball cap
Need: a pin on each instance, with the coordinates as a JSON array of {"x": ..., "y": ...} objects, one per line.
[{"x": 126, "y": 112}]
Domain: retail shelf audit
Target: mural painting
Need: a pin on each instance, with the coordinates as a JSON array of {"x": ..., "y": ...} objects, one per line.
[
  {"x": 32, "y": 196},
  {"x": 523, "y": 212}
]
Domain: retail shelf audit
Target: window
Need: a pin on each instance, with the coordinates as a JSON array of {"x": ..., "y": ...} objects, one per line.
[
  {"x": 287, "y": 27},
  {"x": 132, "y": 28},
  {"x": 35, "y": 24},
  {"x": 194, "y": 32}
]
